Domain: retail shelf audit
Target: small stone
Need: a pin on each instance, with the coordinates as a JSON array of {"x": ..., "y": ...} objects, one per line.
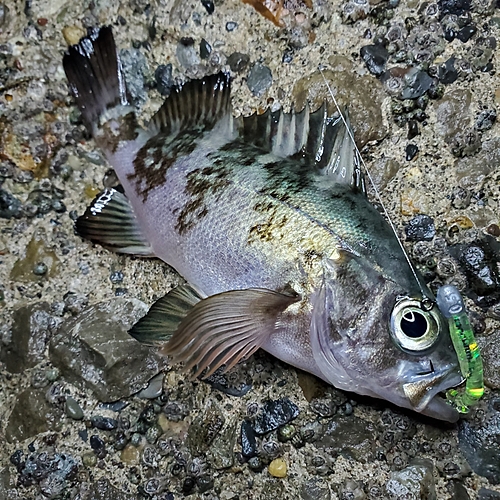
[
  {"x": 164, "y": 79},
  {"x": 411, "y": 151},
  {"x": 186, "y": 53},
  {"x": 412, "y": 131},
  {"x": 274, "y": 414},
  {"x": 466, "y": 33},
  {"x": 103, "y": 423},
  {"x": 204, "y": 430},
  {"x": 416, "y": 83},
  {"x": 10, "y": 206},
  {"x": 486, "y": 119},
  {"x": 415, "y": 481},
  {"x": 278, "y": 468},
  {"x": 209, "y": 6},
  {"x": 72, "y": 34},
  {"x": 205, "y": 49},
  {"x": 259, "y": 79},
  {"x": 40, "y": 269},
  {"x": 116, "y": 277},
  {"x": 73, "y": 409},
  {"x": 154, "y": 389},
  {"x": 231, "y": 26},
  {"x": 238, "y": 62},
  {"x": 314, "y": 489},
  {"x": 420, "y": 228},
  {"x": 89, "y": 459},
  {"x": 135, "y": 71},
  {"x": 248, "y": 440},
  {"x": 375, "y": 58}
]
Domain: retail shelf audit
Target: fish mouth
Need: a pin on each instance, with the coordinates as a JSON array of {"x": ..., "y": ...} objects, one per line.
[{"x": 426, "y": 393}]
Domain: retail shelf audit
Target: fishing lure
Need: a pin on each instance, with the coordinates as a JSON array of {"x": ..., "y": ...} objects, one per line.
[{"x": 452, "y": 307}]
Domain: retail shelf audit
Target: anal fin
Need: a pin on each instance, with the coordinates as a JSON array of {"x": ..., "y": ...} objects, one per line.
[
  {"x": 225, "y": 328},
  {"x": 165, "y": 316},
  {"x": 111, "y": 222}
]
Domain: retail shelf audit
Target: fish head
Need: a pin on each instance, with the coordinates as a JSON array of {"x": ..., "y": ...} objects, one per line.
[{"x": 371, "y": 336}]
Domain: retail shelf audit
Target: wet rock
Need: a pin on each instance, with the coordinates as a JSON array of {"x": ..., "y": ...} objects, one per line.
[
  {"x": 236, "y": 383},
  {"x": 478, "y": 440},
  {"x": 471, "y": 172},
  {"x": 154, "y": 388},
  {"x": 73, "y": 409},
  {"x": 205, "y": 49},
  {"x": 204, "y": 430},
  {"x": 278, "y": 468},
  {"x": 221, "y": 451},
  {"x": 466, "y": 33},
  {"x": 238, "y": 62},
  {"x": 349, "y": 436},
  {"x": 411, "y": 151},
  {"x": 375, "y": 58},
  {"x": 32, "y": 328},
  {"x": 478, "y": 260},
  {"x": 486, "y": 119},
  {"x": 416, "y": 84},
  {"x": 259, "y": 79},
  {"x": 31, "y": 415},
  {"x": 186, "y": 53},
  {"x": 209, "y": 6},
  {"x": 447, "y": 73},
  {"x": 231, "y": 26},
  {"x": 456, "y": 7},
  {"x": 315, "y": 489},
  {"x": 412, "y": 132},
  {"x": 362, "y": 94},
  {"x": 274, "y": 414},
  {"x": 10, "y": 206},
  {"x": 453, "y": 113},
  {"x": 37, "y": 251},
  {"x": 420, "y": 228},
  {"x": 415, "y": 481},
  {"x": 94, "y": 350},
  {"x": 164, "y": 79},
  {"x": 103, "y": 423},
  {"x": 135, "y": 71},
  {"x": 485, "y": 494},
  {"x": 50, "y": 471},
  {"x": 103, "y": 490},
  {"x": 248, "y": 440}
]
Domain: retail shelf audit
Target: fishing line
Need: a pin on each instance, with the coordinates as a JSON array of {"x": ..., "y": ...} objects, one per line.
[{"x": 377, "y": 194}]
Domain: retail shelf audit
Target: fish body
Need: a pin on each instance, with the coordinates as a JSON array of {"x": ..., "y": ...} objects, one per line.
[{"x": 268, "y": 221}]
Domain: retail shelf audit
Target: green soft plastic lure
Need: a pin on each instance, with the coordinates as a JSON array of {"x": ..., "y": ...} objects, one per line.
[{"x": 452, "y": 307}]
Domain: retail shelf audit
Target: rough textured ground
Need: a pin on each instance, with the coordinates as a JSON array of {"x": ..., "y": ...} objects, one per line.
[{"x": 423, "y": 101}]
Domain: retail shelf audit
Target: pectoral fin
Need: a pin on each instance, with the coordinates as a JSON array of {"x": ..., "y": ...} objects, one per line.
[
  {"x": 165, "y": 316},
  {"x": 224, "y": 328},
  {"x": 111, "y": 222}
]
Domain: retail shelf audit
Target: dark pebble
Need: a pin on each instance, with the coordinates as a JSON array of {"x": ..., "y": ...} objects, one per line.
[
  {"x": 446, "y": 72},
  {"x": 486, "y": 119},
  {"x": 420, "y": 228},
  {"x": 248, "y": 440},
  {"x": 96, "y": 443},
  {"x": 238, "y": 62},
  {"x": 259, "y": 79},
  {"x": 456, "y": 7},
  {"x": 209, "y": 6},
  {"x": 485, "y": 494},
  {"x": 188, "y": 485},
  {"x": 274, "y": 414},
  {"x": 287, "y": 56},
  {"x": 205, "y": 483},
  {"x": 256, "y": 464},
  {"x": 231, "y": 26},
  {"x": 466, "y": 33},
  {"x": 116, "y": 277},
  {"x": 412, "y": 129},
  {"x": 375, "y": 58},
  {"x": 411, "y": 151},
  {"x": 417, "y": 83},
  {"x": 10, "y": 206},
  {"x": 104, "y": 423},
  {"x": 205, "y": 49},
  {"x": 163, "y": 78},
  {"x": 228, "y": 385}
]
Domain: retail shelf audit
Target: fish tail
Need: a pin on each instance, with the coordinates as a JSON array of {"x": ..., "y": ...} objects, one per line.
[{"x": 95, "y": 76}]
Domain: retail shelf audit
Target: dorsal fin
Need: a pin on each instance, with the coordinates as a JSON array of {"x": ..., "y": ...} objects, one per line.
[
  {"x": 198, "y": 104},
  {"x": 322, "y": 141}
]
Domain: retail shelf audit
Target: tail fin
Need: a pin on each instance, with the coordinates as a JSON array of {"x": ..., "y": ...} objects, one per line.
[{"x": 95, "y": 75}]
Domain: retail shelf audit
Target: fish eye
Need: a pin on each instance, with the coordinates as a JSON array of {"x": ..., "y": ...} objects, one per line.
[{"x": 412, "y": 328}]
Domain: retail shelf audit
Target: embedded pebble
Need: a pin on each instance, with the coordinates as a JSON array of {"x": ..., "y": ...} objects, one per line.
[
  {"x": 274, "y": 414},
  {"x": 415, "y": 481},
  {"x": 238, "y": 62},
  {"x": 73, "y": 409},
  {"x": 154, "y": 388},
  {"x": 375, "y": 58},
  {"x": 278, "y": 468},
  {"x": 447, "y": 73},
  {"x": 209, "y": 6},
  {"x": 205, "y": 49},
  {"x": 103, "y": 423},
  {"x": 486, "y": 119},
  {"x": 10, "y": 206},
  {"x": 315, "y": 489},
  {"x": 420, "y": 228},
  {"x": 186, "y": 53},
  {"x": 259, "y": 79},
  {"x": 164, "y": 79},
  {"x": 135, "y": 71}
]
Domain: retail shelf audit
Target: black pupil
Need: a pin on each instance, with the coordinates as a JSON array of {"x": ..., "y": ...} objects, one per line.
[{"x": 414, "y": 324}]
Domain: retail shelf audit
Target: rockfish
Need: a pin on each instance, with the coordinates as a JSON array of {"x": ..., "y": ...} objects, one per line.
[{"x": 267, "y": 219}]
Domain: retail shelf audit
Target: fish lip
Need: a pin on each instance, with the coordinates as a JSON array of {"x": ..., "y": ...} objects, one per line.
[{"x": 433, "y": 402}]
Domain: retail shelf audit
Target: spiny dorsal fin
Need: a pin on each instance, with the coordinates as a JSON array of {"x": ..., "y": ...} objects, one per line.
[
  {"x": 320, "y": 140},
  {"x": 225, "y": 328},
  {"x": 165, "y": 316},
  {"x": 198, "y": 104},
  {"x": 95, "y": 74},
  {"x": 111, "y": 222}
]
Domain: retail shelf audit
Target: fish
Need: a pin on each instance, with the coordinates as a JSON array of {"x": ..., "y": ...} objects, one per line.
[{"x": 267, "y": 219}]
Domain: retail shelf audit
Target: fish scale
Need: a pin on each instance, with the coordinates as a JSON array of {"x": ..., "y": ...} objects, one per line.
[{"x": 267, "y": 219}]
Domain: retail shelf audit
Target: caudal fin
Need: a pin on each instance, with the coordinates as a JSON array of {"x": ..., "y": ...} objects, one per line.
[{"x": 95, "y": 75}]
